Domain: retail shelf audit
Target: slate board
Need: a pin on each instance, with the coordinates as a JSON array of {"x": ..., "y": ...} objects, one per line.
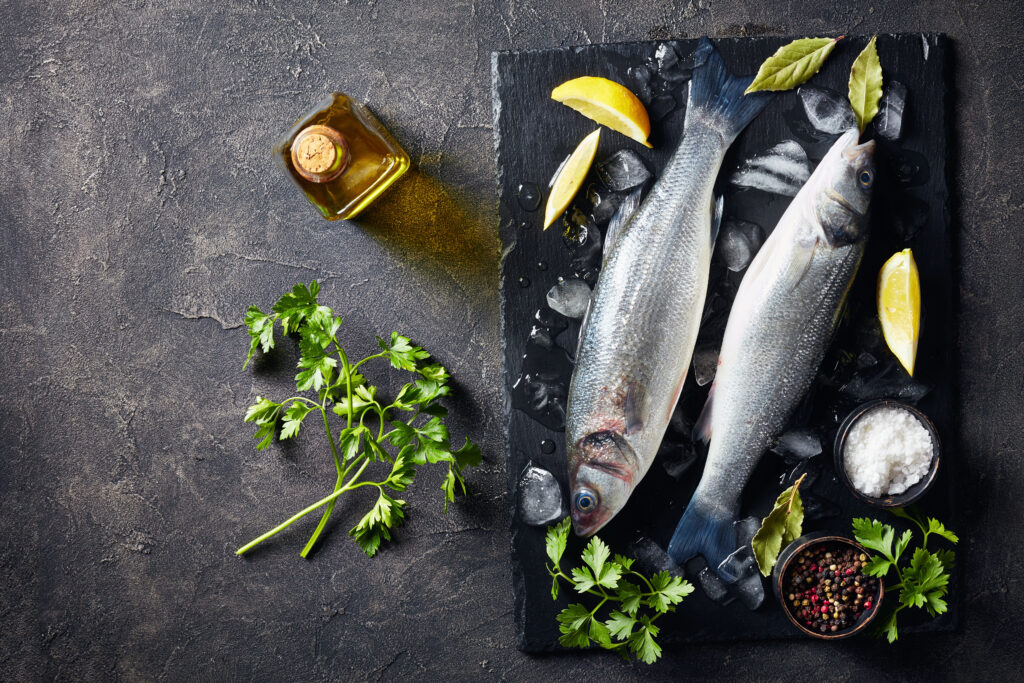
[{"x": 533, "y": 134}]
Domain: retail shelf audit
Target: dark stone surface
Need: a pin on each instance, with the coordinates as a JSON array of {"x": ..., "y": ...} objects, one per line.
[
  {"x": 141, "y": 212},
  {"x": 522, "y": 83}
]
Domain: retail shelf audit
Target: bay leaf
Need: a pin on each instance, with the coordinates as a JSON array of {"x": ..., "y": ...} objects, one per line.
[
  {"x": 782, "y": 526},
  {"x": 792, "y": 64},
  {"x": 866, "y": 84}
]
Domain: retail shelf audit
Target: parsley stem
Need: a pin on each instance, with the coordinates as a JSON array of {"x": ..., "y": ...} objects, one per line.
[
  {"x": 302, "y": 513},
  {"x": 376, "y": 355}
]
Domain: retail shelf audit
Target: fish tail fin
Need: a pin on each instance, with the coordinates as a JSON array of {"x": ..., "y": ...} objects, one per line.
[
  {"x": 703, "y": 530},
  {"x": 716, "y": 96}
]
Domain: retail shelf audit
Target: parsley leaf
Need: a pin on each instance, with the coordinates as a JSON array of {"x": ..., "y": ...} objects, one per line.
[
  {"x": 376, "y": 525},
  {"x": 361, "y": 444},
  {"x": 628, "y": 629},
  {"x": 923, "y": 582},
  {"x": 293, "y": 418}
]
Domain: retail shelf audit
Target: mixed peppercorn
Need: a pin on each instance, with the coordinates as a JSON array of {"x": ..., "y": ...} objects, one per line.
[{"x": 827, "y": 590}]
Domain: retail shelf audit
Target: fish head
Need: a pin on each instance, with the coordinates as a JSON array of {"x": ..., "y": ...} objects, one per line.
[
  {"x": 844, "y": 195},
  {"x": 602, "y": 481}
]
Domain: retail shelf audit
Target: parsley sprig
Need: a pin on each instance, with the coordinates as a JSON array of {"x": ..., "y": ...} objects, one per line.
[
  {"x": 412, "y": 422},
  {"x": 641, "y": 600},
  {"x": 924, "y": 581}
]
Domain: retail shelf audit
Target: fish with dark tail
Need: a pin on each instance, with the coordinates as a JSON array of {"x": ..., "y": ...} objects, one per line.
[
  {"x": 641, "y": 327},
  {"x": 779, "y": 329}
]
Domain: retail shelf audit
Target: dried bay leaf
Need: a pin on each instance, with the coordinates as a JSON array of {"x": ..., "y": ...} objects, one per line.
[
  {"x": 866, "y": 84},
  {"x": 782, "y": 526},
  {"x": 792, "y": 64}
]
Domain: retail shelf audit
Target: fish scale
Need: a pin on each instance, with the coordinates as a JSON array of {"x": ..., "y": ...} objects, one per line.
[
  {"x": 779, "y": 329},
  {"x": 642, "y": 325}
]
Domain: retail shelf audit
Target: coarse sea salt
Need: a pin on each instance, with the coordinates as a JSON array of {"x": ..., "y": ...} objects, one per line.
[{"x": 887, "y": 451}]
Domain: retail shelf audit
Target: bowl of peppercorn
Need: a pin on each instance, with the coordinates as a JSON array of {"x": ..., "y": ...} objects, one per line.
[{"x": 820, "y": 581}]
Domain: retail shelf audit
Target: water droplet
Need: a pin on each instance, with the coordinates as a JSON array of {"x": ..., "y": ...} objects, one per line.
[
  {"x": 529, "y": 196},
  {"x": 547, "y": 446},
  {"x": 524, "y": 282},
  {"x": 542, "y": 265},
  {"x": 524, "y": 225}
]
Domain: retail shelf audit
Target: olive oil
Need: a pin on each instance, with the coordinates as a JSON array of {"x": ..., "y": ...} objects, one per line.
[{"x": 341, "y": 156}]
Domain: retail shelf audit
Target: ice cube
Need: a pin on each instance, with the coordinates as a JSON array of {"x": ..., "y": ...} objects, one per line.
[
  {"x": 623, "y": 170},
  {"x": 705, "y": 362},
  {"x": 739, "y": 565},
  {"x": 783, "y": 170},
  {"x": 887, "y": 379},
  {"x": 738, "y": 243},
  {"x": 889, "y": 121},
  {"x": 665, "y": 57},
  {"x": 798, "y": 444},
  {"x": 678, "y": 459},
  {"x": 576, "y": 229},
  {"x": 816, "y": 507},
  {"x": 827, "y": 110},
  {"x": 544, "y": 391},
  {"x": 746, "y": 528},
  {"x": 661, "y": 106},
  {"x": 750, "y": 590},
  {"x": 640, "y": 75},
  {"x": 570, "y": 298},
  {"x": 603, "y": 203},
  {"x": 651, "y": 558},
  {"x": 669, "y": 66},
  {"x": 713, "y": 586},
  {"x": 540, "y": 497}
]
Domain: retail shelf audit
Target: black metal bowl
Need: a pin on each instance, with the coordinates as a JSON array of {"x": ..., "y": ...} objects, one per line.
[
  {"x": 782, "y": 568},
  {"x": 911, "y": 494}
]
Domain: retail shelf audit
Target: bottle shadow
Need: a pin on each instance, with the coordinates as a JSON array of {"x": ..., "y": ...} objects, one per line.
[{"x": 447, "y": 234}]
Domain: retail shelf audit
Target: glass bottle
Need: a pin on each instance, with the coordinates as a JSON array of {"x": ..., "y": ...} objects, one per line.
[{"x": 341, "y": 156}]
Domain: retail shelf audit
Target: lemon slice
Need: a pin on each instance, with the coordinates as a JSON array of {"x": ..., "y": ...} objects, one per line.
[
  {"x": 570, "y": 177},
  {"x": 899, "y": 306},
  {"x": 608, "y": 103}
]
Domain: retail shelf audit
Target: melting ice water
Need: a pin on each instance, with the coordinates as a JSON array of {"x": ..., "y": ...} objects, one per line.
[
  {"x": 542, "y": 387},
  {"x": 529, "y": 196},
  {"x": 570, "y": 298},
  {"x": 738, "y": 243},
  {"x": 827, "y": 110},
  {"x": 540, "y": 497},
  {"x": 886, "y": 379},
  {"x": 623, "y": 170},
  {"x": 783, "y": 169},
  {"x": 889, "y": 121},
  {"x": 745, "y": 530}
]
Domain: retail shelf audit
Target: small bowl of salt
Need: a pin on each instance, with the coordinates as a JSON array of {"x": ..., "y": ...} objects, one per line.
[{"x": 887, "y": 453}]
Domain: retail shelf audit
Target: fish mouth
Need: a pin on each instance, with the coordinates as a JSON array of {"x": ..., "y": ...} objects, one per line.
[{"x": 590, "y": 527}]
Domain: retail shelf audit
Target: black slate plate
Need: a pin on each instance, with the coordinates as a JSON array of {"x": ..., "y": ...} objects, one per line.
[{"x": 533, "y": 134}]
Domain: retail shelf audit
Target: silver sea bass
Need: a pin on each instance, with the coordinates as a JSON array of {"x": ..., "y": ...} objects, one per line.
[
  {"x": 639, "y": 333},
  {"x": 779, "y": 329}
]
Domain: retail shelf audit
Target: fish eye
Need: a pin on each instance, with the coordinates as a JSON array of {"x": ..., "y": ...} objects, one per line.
[
  {"x": 585, "y": 501},
  {"x": 865, "y": 178}
]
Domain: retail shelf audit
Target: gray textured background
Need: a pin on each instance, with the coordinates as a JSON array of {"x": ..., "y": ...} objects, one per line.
[{"x": 141, "y": 213}]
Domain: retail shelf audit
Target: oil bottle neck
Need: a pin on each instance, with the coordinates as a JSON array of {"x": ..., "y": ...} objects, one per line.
[{"x": 320, "y": 153}]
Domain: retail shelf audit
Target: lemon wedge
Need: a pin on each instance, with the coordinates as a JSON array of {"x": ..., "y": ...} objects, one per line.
[
  {"x": 608, "y": 103},
  {"x": 570, "y": 177},
  {"x": 899, "y": 306}
]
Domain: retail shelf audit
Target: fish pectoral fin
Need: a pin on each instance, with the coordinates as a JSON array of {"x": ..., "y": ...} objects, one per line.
[
  {"x": 702, "y": 428},
  {"x": 633, "y": 407},
  {"x": 801, "y": 264},
  {"x": 716, "y": 218}
]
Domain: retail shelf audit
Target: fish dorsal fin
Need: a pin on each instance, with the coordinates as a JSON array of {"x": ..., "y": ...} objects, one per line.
[
  {"x": 633, "y": 407},
  {"x": 716, "y": 218},
  {"x": 702, "y": 429},
  {"x": 583, "y": 326},
  {"x": 622, "y": 216}
]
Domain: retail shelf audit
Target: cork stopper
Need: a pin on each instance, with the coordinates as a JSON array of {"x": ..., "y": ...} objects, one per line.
[{"x": 320, "y": 154}]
